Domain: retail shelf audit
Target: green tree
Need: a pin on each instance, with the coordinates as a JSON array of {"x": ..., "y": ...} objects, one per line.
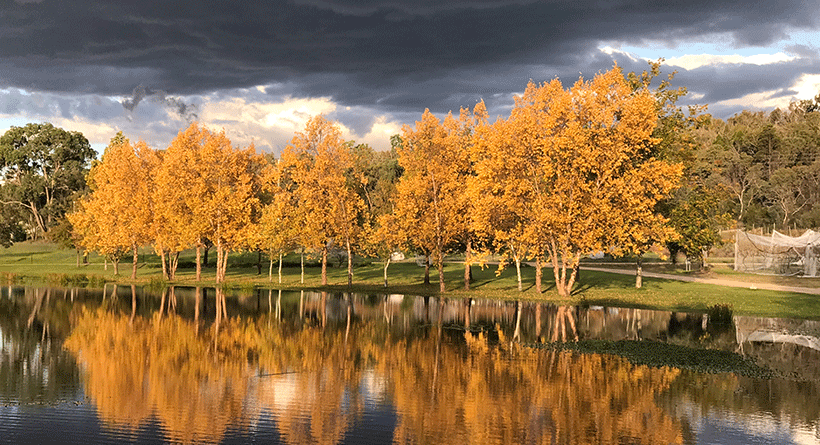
[
  {"x": 42, "y": 166},
  {"x": 697, "y": 220}
]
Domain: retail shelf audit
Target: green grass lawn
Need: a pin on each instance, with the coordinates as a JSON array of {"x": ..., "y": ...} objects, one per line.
[{"x": 28, "y": 262}]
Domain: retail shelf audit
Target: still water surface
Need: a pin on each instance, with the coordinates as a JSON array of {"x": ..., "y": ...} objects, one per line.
[{"x": 132, "y": 365}]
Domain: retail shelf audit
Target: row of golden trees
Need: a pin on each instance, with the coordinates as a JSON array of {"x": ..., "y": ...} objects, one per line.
[{"x": 569, "y": 171}]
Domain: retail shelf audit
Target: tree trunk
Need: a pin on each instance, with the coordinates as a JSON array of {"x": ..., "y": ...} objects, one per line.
[
  {"x": 219, "y": 254},
  {"x": 324, "y": 265},
  {"x": 538, "y": 274},
  {"x": 173, "y": 262},
  {"x": 386, "y": 265},
  {"x": 467, "y": 259},
  {"x": 198, "y": 262},
  {"x": 639, "y": 272},
  {"x": 302, "y": 279},
  {"x": 259, "y": 262},
  {"x": 349, "y": 264},
  {"x": 205, "y": 258},
  {"x": 164, "y": 267},
  {"x": 225, "y": 267},
  {"x": 426, "y": 269},
  {"x": 280, "y": 267},
  {"x": 440, "y": 267},
  {"x": 116, "y": 264},
  {"x": 134, "y": 262},
  {"x": 518, "y": 272},
  {"x": 270, "y": 270},
  {"x": 78, "y": 257}
]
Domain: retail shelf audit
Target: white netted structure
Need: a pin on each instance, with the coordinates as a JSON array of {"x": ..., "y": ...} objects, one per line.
[{"x": 778, "y": 254}]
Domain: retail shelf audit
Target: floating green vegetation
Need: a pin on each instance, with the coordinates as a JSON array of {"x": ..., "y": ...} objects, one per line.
[
  {"x": 157, "y": 284},
  {"x": 75, "y": 280},
  {"x": 657, "y": 354},
  {"x": 720, "y": 314}
]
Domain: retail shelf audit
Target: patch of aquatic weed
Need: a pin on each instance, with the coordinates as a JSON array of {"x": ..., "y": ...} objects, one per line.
[
  {"x": 157, "y": 284},
  {"x": 657, "y": 354},
  {"x": 10, "y": 278},
  {"x": 75, "y": 280}
]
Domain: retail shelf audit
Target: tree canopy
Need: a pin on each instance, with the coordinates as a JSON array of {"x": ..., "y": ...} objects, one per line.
[{"x": 43, "y": 170}]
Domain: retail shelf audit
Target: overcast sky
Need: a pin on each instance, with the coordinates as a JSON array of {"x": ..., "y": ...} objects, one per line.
[{"x": 260, "y": 69}]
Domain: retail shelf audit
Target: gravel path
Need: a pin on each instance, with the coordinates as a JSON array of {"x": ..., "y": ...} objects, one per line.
[{"x": 717, "y": 281}]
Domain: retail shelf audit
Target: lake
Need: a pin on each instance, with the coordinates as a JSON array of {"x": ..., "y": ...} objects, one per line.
[{"x": 189, "y": 365}]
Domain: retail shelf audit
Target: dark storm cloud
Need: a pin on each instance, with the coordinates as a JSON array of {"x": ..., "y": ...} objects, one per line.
[{"x": 395, "y": 56}]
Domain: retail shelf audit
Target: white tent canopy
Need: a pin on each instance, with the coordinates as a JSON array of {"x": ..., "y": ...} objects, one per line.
[{"x": 778, "y": 254}]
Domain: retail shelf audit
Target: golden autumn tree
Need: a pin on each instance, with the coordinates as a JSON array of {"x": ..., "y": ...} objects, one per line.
[
  {"x": 206, "y": 190},
  {"x": 430, "y": 199},
  {"x": 314, "y": 166},
  {"x": 230, "y": 185},
  {"x": 118, "y": 215},
  {"x": 591, "y": 144},
  {"x": 385, "y": 237},
  {"x": 175, "y": 201},
  {"x": 277, "y": 231},
  {"x": 181, "y": 215},
  {"x": 503, "y": 190}
]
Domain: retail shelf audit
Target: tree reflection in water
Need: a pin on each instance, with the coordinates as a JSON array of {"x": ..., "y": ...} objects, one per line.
[{"x": 445, "y": 385}]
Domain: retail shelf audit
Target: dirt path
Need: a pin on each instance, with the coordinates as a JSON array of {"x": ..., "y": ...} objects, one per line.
[{"x": 717, "y": 281}]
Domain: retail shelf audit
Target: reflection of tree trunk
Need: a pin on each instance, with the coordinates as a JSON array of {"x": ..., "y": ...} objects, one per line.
[
  {"x": 162, "y": 303},
  {"x": 38, "y": 301},
  {"x": 517, "y": 333},
  {"x": 349, "y": 316},
  {"x": 387, "y": 317},
  {"x": 564, "y": 318},
  {"x": 197, "y": 299},
  {"x": 172, "y": 300},
  {"x": 468, "y": 306},
  {"x": 279, "y": 305},
  {"x": 438, "y": 346},
  {"x": 220, "y": 296},
  {"x": 323, "y": 308},
  {"x": 538, "y": 309},
  {"x": 133, "y": 304},
  {"x": 301, "y": 304}
]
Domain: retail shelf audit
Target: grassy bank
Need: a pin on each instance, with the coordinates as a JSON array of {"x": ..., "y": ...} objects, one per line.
[{"x": 30, "y": 262}]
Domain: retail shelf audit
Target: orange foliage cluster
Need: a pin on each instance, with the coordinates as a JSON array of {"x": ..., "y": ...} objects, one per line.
[{"x": 571, "y": 171}]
